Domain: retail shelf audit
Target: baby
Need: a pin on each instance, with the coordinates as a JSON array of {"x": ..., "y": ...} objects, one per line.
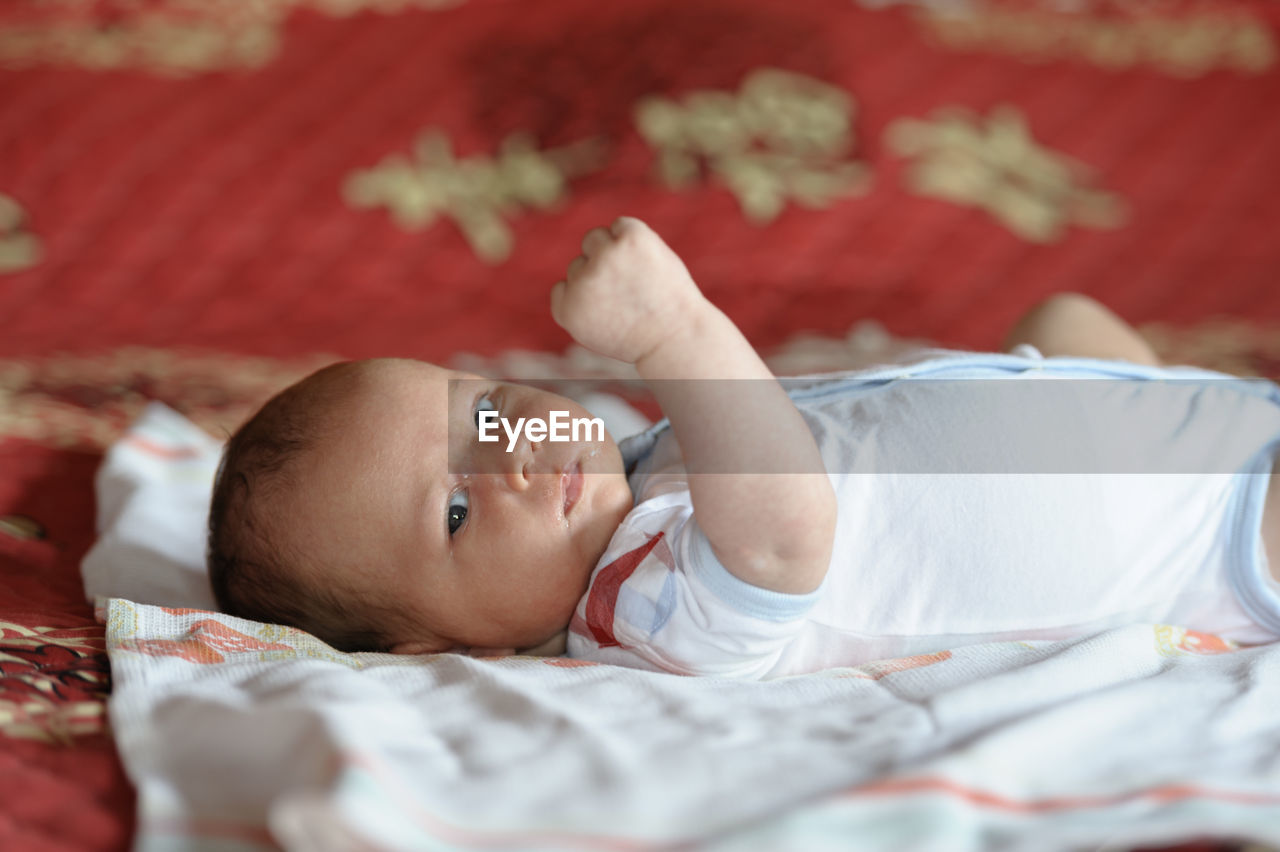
[{"x": 363, "y": 506}]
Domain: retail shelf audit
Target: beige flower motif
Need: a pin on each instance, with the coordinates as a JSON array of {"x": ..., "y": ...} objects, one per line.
[
  {"x": 19, "y": 248},
  {"x": 781, "y": 137},
  {"x": 1172, "y": 41},
  {"x": 173, "y": 38},
  {"x": 993, "y": 163},
  {"x": 477, "y": 193}
]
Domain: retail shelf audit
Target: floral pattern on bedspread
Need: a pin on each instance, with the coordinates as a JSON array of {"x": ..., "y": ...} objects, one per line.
[
  {"x": 207, "y": 641},
  {"x": 55, "y": 682},
  {"x": 1174, "y": 641},
  {"x": 86, "y": 401},
  {"x": 208, "y": 638}
]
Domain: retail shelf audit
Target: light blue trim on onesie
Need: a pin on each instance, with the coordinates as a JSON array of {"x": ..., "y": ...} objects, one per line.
[
  {"x": 764, "y": 604},
  {"x": 1250, "y": 577}
]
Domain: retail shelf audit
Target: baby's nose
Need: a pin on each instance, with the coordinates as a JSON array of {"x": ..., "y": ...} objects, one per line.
[{"x": 517, "y": 474}]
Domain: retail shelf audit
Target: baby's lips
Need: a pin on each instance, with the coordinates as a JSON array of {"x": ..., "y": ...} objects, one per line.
[{"x": 571, "y": 482}]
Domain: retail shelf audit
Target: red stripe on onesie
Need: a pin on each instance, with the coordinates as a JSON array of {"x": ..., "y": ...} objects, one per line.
[{"x": 603, "y": 597}]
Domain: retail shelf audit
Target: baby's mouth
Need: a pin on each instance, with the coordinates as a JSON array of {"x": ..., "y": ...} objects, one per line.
[{"x": 571, "y": 486}]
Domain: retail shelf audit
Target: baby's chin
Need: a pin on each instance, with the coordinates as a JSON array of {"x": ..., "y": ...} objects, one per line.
[{"x": 609, "y": 507}]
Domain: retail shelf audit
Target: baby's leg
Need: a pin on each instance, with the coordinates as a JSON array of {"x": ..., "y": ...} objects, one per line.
[{"x": 1073, "y": 324}]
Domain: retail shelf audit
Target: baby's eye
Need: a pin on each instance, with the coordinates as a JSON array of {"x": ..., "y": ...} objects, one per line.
[
  {"x": 484, "y": 403},
  {"x": 456, "y": 511}
]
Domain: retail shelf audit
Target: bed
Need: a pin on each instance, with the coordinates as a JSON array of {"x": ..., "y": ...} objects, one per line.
[{"x": 200, "y": 203}]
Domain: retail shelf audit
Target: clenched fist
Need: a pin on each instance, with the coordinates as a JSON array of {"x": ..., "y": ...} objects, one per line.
[{"x": 626, "y": 293}]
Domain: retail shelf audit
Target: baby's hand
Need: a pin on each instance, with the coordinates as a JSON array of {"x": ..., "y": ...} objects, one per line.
[
  {"x": 626, "y": 293},
  {"x": 630, "y": 297}
]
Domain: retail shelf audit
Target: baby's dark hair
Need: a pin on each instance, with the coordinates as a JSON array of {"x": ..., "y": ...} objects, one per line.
[{"x": 256, "y": 573}]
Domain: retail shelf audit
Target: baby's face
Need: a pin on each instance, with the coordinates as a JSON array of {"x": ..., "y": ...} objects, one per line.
[{"x": 479, "y": 547}]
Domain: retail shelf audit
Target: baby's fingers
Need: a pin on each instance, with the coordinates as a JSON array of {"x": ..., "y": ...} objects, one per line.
[
  {"x": 623, "y": 224},
  {"x": 574, "y": 272},
  {"x": 595, "y": 240}
]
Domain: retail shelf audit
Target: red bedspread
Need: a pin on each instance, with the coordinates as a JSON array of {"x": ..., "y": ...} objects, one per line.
[{"x": 201, "y": 201}]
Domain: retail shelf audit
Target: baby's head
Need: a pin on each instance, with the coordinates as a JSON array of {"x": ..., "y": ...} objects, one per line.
[{"x": 359, "y": 505}]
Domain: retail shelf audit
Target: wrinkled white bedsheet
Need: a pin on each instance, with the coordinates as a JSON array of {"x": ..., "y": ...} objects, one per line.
[
  {"x": 241, "y": 735},
  {"x": 237, "y": 733}
]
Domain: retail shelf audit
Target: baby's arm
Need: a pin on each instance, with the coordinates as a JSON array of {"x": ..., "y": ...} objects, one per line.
[{"x": 630, "y": 297}]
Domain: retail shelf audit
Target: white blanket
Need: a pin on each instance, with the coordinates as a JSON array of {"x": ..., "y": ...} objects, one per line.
[{"x": 243, "y": 735}]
